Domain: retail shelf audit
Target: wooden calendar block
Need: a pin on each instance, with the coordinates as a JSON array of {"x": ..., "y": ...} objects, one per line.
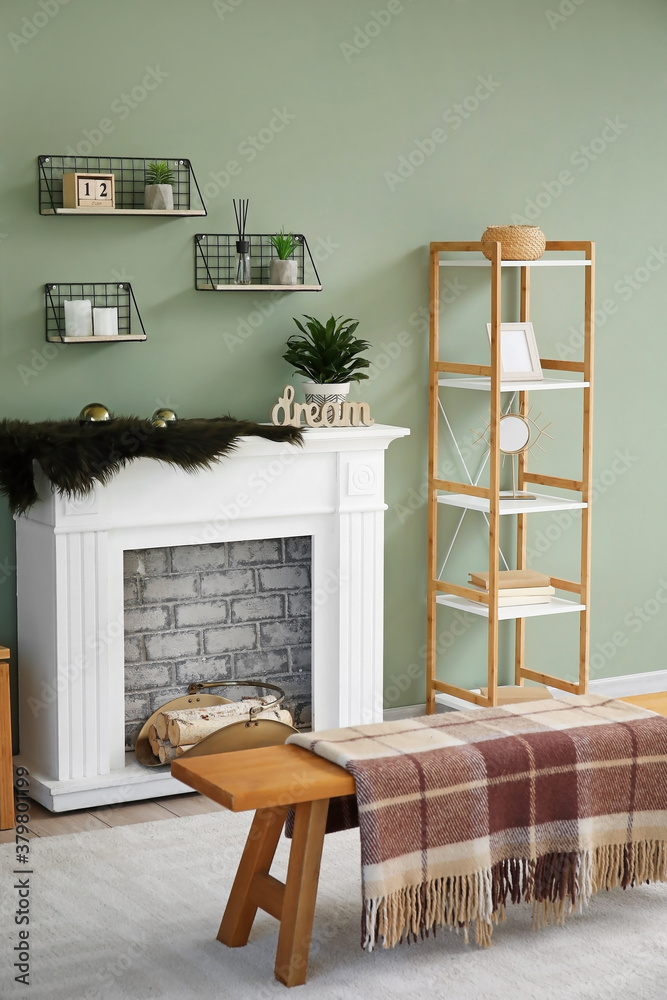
[{"x": 88, "y": 191}]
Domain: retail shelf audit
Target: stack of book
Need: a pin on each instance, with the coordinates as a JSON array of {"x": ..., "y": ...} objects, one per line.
[{"x": 517, "y": 586}]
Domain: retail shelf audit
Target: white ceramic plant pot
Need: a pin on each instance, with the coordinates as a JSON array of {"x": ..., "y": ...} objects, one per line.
[
  {"x": 282, "y": 272},
  {"x": 159, "y": 196},
  {"x": 326, "y": 392}
]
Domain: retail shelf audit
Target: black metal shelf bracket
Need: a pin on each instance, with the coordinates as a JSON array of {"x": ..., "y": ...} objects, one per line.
[
  {"x": 129, "y": 177},
  {"x": 105, "y": 294},
  {"x": 215, "y": 263}
]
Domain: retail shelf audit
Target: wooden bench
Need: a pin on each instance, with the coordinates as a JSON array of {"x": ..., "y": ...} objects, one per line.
[{"x": 271, "y": 780}]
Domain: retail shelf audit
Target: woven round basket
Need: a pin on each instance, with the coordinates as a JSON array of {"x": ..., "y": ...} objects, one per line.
[{"x": 517, "y": 242}]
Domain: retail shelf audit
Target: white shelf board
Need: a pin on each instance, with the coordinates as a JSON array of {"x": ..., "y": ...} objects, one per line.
[
  {"x": 481, "y": 382},
  {"x": 99, "y": 340},
  {"x": 542, "y": 502},
  {"x": 556, "y": 606},
  {"x": 259, "y": 288},
  {"x": 125, "y": 211},
  {"x": 516, "y": 263}
]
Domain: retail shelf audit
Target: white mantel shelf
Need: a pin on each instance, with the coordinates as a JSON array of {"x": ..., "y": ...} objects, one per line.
[{"x": 70, "y": 593}]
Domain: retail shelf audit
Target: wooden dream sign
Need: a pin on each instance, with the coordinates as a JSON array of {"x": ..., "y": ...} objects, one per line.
[{"x": 346, "y": 414}]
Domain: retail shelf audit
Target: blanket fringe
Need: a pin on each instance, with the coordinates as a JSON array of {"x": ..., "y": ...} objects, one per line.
[{"x": 556, "y": 884}]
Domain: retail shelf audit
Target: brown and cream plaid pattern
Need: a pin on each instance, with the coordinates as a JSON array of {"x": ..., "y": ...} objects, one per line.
[{"x": 544, "y": 801}]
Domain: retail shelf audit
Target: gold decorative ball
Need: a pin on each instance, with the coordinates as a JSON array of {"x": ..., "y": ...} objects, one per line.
[
  {"x": 168, "y": 416},
  {"x": 93, "y": 413},
  {"x": 159, "y": 422}
]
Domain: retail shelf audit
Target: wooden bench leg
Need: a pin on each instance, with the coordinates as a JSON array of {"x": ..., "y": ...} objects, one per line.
[
  {"x": 255, "y": 863},
  {"x": 298, "y": 909}
]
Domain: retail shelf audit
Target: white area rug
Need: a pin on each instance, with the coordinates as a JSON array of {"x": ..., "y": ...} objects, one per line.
[{"x": 132, "y": 913}]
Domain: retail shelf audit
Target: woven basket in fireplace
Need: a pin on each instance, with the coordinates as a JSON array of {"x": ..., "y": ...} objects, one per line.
[{"x": 248, "y": 732}]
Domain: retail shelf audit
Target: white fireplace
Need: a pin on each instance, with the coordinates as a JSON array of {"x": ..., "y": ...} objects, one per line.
[{"x": 70, "y": 594}]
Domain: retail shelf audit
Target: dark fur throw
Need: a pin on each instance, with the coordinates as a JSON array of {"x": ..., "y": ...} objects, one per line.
[{"x": 75, "y": 456}]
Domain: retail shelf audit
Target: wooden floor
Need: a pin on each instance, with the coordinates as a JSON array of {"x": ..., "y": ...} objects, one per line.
[
  {"x": 654, "y": 702},
  {"x": 47, "y": 824}
]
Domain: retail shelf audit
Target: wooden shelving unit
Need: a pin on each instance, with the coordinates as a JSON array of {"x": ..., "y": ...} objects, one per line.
[{"x": 450, "y": 375}]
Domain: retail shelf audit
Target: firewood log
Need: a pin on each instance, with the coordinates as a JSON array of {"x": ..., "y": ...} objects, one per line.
[
  {"x": 169, "y": 753},
  {"x": 236, "y": 709},
  {"x": 191, "y": 731}
]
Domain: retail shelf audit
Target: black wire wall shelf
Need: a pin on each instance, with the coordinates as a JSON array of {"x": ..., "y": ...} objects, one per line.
[
  {"x": 215, "y": 264},
  {"x": 129, "y": 176},
  {"x": 101, "y": 294}
]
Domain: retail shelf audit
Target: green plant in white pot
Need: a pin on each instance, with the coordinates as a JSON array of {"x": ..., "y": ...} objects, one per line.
[
  {"x": 283, "y": 268},
  {"x": 158, "y": 192},
  {"x": 329, "y": 356}
]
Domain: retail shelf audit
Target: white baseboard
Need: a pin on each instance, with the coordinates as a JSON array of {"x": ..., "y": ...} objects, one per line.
[
  {"x": 405, "y": 712},
  {"x": 612, "y": 687},
  {"x": 620, "y": 687}
]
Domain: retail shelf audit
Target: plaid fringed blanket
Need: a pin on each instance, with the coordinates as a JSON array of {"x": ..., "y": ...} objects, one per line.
[{"x": 459, "y": 813}]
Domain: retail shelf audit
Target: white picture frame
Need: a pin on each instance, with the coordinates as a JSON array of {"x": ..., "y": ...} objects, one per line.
[{"x": 519, "y": 357}]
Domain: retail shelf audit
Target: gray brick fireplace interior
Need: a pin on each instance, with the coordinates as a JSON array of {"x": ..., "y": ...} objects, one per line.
[{"x": 231, "y": 610}]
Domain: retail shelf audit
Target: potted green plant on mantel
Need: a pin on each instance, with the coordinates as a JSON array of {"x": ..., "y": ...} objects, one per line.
[
  {"x": 283, "y": 269},
  {"x": 158, "y": 192},
  {"x": 329, "y": 356}
]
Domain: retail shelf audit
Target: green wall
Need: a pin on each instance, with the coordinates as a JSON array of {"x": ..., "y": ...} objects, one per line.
[{"x": 520, "y": 95}]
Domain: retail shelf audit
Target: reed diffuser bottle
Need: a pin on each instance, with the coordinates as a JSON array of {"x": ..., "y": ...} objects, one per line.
[{"x": 242, "y": 270}]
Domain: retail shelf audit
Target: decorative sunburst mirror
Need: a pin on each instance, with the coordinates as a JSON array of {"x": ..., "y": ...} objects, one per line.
[{"x": 518, "y": 434}]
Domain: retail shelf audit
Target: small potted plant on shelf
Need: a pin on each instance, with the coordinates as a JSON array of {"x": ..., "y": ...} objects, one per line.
[
  {"x": 283, "y": 268},
  {"x": 158, "y": 192},
  {"x": 329, "y": 356}
]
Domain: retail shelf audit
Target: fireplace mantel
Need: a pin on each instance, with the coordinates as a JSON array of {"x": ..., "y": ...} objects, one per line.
[{"x": 70, "y": 593}]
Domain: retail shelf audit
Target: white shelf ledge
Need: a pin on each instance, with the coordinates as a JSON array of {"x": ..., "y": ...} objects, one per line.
[
  {"x": 556, "y": 606},
  {"x": 164, "y": 213},
  {"x": 542, "y": 502},
  {"x": 516, "y": 263},
  {"x": 259, "y": 288},
  {"x": 482, "y": 383},
  {"x": 98, "y": 340}
]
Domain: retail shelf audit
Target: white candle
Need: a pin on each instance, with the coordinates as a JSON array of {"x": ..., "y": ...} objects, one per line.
[
  {"x": 78, "y": 318},
  {"x": 105, "y": 322}
]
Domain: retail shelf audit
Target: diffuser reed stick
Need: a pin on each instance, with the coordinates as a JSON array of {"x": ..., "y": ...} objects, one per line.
[{"x": 242, "y": 244}]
